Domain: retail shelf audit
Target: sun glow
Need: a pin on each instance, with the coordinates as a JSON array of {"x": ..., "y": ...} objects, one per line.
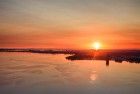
[{"x": 96, "y": 45}]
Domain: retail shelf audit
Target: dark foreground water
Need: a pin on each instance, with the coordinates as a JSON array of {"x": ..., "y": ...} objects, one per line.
[{"x": 28, "y": 73}]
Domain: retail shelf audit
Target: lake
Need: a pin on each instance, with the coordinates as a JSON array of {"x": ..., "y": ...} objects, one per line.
[{"x": 32, "y": 73}]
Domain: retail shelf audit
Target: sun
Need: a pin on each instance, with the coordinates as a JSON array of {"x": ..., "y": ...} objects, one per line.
[{"x": 96, "y": 45}]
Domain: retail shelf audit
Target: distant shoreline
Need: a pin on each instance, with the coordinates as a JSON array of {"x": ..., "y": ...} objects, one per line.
[{"x": 132, "y": 56}]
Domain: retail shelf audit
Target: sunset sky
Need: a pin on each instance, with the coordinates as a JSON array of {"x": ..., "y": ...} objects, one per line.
[{"x": 70, "y": 23}]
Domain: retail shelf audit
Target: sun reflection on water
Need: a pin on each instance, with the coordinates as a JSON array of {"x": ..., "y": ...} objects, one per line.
[{"x": 93, "y": 76}]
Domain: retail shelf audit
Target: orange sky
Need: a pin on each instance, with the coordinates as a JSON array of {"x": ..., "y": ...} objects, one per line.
[{"x": 70, "y": 24}]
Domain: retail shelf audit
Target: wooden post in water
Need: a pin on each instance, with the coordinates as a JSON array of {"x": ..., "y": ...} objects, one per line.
[{"x": 107, "y": 60}]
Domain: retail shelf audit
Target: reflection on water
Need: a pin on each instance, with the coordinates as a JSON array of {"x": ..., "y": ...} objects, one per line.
[
  {"x": 93, "y": 76},
  {"x": 28, "y": 73}
]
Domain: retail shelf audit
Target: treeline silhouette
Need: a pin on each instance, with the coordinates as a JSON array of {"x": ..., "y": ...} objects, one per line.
[{"x": 132, "y": 56}]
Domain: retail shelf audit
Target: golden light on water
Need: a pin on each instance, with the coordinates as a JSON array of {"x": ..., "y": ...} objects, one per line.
[{"x": 96, "y": 45}]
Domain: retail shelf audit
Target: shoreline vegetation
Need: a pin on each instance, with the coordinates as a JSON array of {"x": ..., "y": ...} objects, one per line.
[{"x": 132, "y": 56}]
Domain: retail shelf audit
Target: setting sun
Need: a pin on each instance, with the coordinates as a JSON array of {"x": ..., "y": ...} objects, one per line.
[{"x": 96, "y": 45}]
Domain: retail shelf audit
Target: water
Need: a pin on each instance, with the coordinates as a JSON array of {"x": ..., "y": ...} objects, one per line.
[{"x": 30, "y": 73}]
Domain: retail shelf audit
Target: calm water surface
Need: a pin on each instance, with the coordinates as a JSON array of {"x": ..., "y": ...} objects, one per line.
[{"x": 29, "y": 73}]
